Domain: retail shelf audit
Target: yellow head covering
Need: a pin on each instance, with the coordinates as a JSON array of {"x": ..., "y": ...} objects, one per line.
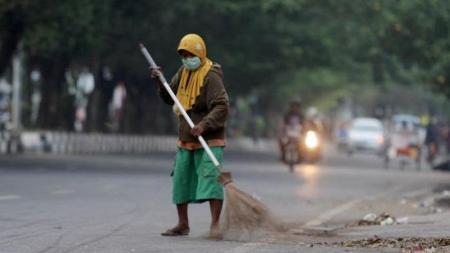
[{"x": 192, "y": 81}]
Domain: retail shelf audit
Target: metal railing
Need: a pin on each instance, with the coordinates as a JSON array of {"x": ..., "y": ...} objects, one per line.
[{"x": 96, "y": 143}]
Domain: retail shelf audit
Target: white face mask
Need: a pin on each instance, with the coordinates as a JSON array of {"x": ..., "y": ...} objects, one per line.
[{"x": 191, "y": 63}]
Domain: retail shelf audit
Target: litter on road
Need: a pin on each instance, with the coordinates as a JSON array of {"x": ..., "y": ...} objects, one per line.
[
  {"x": 408, "y": 245},
  {"x": 372, "y": 219}
]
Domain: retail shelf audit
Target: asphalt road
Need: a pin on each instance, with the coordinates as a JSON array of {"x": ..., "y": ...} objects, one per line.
[{"x": 112, "y": 204}]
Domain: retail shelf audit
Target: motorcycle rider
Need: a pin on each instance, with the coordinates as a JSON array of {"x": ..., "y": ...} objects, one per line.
[{"x": 293, "y": 119}]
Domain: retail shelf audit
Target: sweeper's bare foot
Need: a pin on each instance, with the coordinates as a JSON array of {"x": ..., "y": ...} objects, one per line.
[
  {"x": 215, "y": 233},
  {"x": 178, "y": 230}
]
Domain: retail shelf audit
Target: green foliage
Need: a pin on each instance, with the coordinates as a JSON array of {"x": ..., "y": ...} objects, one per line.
[
  {"x": 62, "y": 28},
  {"x": 314, "y": 49}
]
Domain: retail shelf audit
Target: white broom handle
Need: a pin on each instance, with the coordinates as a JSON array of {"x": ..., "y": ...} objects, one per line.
[{"x": 179, "y": 106}]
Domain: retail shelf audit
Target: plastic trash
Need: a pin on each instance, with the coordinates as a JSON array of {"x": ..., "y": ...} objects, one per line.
[
  {"x": 388, "y": 221},
  {"x": 402, "y": 220},
  {"x": 370, "y": 217},
  {"x": 426, "y": 203}
]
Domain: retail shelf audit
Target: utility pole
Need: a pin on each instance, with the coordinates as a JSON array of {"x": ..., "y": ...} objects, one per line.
[
  {"x": 17, "y": 83},
  {"x": 15, "y": 142}
]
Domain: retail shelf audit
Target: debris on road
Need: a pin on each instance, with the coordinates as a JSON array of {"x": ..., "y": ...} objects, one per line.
[
  {"x": 372, "y": 219},
  {"x": 315, "y": 231},
  {"x": 438, "y": 202},
  {"x": 388, "y": 221},
  {"x": 405, "y": 244},
  {"x": 402, "y": 220},
  {"x": 427, "y": 202},
  {"x": 444, "y": 166},
  {"x": 443, "y": 200},
  {"x": 408, "y": 244}
]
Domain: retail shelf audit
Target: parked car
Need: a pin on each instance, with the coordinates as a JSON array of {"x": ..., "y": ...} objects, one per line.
[{"x": 366, "y": 135}]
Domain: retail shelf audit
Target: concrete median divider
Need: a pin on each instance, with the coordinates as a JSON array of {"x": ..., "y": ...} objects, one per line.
[{"x": 95, "y": 143}]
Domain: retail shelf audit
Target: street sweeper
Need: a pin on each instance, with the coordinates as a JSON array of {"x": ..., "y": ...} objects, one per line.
[
  {"x": 198, "y": 85},
  {"x": 201, "y": 103}
]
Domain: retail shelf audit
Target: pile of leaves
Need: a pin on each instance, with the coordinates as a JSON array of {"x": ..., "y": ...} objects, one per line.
[{"x": 408, "y": 244}]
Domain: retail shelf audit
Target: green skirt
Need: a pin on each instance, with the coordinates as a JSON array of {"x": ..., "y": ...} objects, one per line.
[{"x": 195, "y": 178}]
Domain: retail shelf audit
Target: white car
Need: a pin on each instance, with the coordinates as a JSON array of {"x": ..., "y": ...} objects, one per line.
[{"x": 366, "y": 135}]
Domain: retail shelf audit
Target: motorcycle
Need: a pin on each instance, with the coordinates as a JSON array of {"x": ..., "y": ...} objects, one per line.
[
  {"x": 290, "y": 145},
  {"x": 301, "y": 146},
  {"x": 311, "y": 148}
]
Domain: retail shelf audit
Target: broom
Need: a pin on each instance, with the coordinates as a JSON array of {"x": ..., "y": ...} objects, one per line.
[{"x": 243, "y": 213}]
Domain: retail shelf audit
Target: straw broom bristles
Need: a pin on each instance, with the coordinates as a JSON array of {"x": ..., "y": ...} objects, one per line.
[{"x": 244, "y": 215}]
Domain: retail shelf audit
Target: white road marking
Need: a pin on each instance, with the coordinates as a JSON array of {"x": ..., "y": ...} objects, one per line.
[
  {"x": 8, "y": 197},
  {"x": 331, "y": 213},
  {"x": 415, "y": 194},
  {"x": 346, "y": 206},
  {"x": 62, "y": 192}
]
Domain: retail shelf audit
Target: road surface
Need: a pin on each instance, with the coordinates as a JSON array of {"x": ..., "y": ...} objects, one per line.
[{"x": 107, "y": 204}]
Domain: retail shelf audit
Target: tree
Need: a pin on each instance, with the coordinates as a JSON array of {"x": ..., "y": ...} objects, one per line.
[
  {"x": 269, "y": 48},
  {"x": 58, "y": 35}
]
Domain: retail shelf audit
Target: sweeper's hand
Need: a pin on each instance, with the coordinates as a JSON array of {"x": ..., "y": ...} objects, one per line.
[
  {"x": 155, "y": 73},
  {"x": 197, "y": 130}
]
